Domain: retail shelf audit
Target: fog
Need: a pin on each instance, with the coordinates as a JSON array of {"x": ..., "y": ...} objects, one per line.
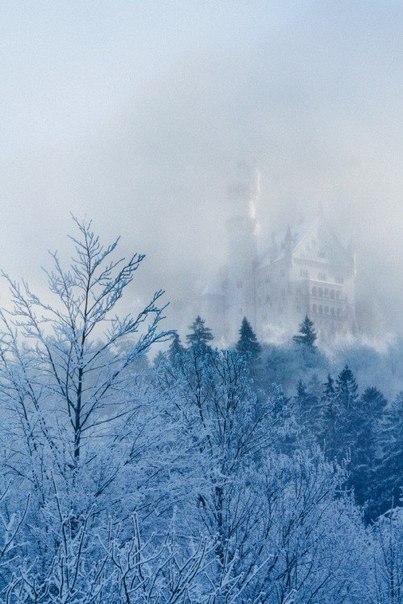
[{"x": 137, "y": 114}]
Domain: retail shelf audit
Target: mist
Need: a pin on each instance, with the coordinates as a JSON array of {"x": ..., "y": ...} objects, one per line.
[{"x": 137, "y": 115}]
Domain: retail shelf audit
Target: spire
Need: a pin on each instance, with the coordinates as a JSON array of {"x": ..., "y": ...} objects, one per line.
[
  {"x": 244, "y": 191},
  {"x": 288, "y": 237},
  {"x": 288, "y": 241}
]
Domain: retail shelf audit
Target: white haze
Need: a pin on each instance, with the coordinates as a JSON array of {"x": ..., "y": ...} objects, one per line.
[{"x": 136, "y": 114}]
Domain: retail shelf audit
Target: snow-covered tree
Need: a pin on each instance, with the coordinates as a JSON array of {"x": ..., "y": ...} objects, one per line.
[
  {"x": 307, "y": 335},
  {"x": 176, "y": 349},
  {"x": 191, "y": 480},
  {"x": 200, "y": 335},
  {"x": 61, "y": 358},
  {"x": 247, "y": 343}
]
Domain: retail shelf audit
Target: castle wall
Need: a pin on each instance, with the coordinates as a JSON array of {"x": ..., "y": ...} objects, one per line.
[{"x": 304, "y": 274}]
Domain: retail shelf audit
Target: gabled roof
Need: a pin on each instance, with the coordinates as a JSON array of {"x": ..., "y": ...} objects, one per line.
[{"x": 296, "y": 237}]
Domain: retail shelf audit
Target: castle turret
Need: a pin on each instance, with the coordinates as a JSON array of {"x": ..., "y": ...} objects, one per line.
[{"x": 240, "y": 283}]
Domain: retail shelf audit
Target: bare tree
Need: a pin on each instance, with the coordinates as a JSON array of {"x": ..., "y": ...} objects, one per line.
[
  {"x": 64, "y": 354},
  {"x": 388, "y": 533}
]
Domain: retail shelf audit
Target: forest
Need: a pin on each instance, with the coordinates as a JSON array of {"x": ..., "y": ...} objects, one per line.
[{"x": 139, "y": 467}]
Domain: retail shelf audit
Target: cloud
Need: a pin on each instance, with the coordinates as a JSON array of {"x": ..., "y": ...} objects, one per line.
[{"x": 137, "y": 115}]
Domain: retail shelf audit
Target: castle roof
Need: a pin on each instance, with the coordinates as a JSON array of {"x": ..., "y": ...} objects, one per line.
[
  {"x": 294, "y": 241},
  {"x": 278, "y": 249}
]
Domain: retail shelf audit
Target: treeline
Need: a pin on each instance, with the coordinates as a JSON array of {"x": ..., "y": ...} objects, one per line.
[
  {"x": 360, "y": 431},
  {"x": 194, "y": 479}
]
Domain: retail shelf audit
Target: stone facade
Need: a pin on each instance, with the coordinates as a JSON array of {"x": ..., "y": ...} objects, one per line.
[{"x": 304, "y": 271}]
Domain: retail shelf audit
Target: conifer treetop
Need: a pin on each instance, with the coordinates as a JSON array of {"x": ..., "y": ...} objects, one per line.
[
  {"x": 307, "y": 335},
  {"x": 247, "y": 343},
  {"x": 200, "y": 335}
]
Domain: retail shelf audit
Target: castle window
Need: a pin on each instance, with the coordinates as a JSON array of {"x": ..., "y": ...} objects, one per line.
[
  {"x": 320, "y": 309},
  {"x": 339, "y": 279},
  {"x": 320, "y": 292},
  {"x": 332, "y": 294},
  {"x": 314, "y": 308},
  {"x": 304, "y": 273},
  {"x": 326, "y": 292},
  {"x": 339, "y": 312},
  {"x": 314, "y": 291},
  {"x": 326, "y": 310},
  {"x": 332, "y": 312},
  {"x": 322, "y": 277},
  {"x": 337, "y": 295},
  {"x": 239, "y": 285}
]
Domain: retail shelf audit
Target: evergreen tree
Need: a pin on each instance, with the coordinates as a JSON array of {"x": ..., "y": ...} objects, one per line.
[
  {"x": 308, "y": 409},
  {"x": 364, "y": 451},
  {"x": 301, "y": 391},
  {"x": 307, "y": 335},
  {"x": 159, "y": 359},
  {"x": 389, "y": 470},
  {"x": 328, "y": 388},
  {"x": 200, "y": 335},
  {"x": 175, "y": 350},
  {"x": 247, "y": 343},
  {"x": 346, "y": 390},
  {"x": 341, "y": 415},
  {"x": 328, "y": 414}
]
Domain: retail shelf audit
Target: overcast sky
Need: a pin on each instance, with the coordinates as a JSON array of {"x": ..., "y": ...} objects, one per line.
[{"x": 136, "y": 113}]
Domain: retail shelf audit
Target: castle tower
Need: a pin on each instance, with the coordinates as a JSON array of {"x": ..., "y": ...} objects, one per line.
[{"x": 241, "y": 237}]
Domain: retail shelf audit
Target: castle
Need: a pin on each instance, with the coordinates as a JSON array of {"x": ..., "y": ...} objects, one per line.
[{"x": 302, "y": 271}]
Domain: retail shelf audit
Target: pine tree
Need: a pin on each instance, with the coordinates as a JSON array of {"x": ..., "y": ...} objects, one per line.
[
  {"x": 364, "y": 452},
  {"x": 247, "y": 343},
  {"x": 328, "y": 415},
  {"x": 175, "y": 350},
  {"x": 341, "y": 416},
  {"x": 346, "y": 390},
  {"x": 328, "y": 388},
  {"x": 389, "y": 468},
  {"x": 307, "y": 335},
  {"x": 308, "y": 408},
  {"x": 200, "y": 336}
]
